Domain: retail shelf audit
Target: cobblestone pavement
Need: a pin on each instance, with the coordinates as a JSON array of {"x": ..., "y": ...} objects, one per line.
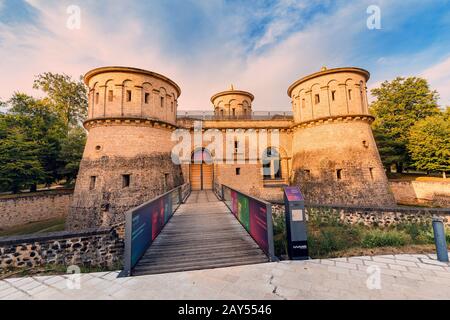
[{"x": 402, "y": 277}]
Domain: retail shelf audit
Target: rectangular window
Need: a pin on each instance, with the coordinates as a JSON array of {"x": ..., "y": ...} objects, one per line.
[
  {"x": 162, "y": 102},
  {"x": 97, "y": 97},
  {"x": 236, "y": 146},
  {"x": 238, "y": 171},
  {"x": 349, "y": 94},
  {"x": 92, "y": 183},
  {"x": 371, "y": 173},
  {"x": 126, "y": 179},
  {"x": 333, "y": 95},
  {"x": 146, "y": 98},
  {"x": 110, "y": 95},
  {"x": 267, "y": 171},
  {"x": 307, "y": 174},
  {"x": 339, "y": 174},
  {"x": 234, "y": 112},
  {"x": 128, "y": 95},
  {"x": 166, "y": 182},
  {"x": 317, "y": 99}
]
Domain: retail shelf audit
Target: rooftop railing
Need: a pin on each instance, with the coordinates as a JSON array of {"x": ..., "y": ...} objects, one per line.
[{"x": 255, "y": 115}]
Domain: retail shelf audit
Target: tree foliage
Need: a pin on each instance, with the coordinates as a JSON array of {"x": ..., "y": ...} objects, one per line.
[
  {"x": 72, "y": 147},
  {"x": 20, "y": 166},
  {"x": 399, "y": 105},
  {"x": 429, "y": 143},
  {"x": 68, "y": 97},
  {"x": 41, "y": 140}
]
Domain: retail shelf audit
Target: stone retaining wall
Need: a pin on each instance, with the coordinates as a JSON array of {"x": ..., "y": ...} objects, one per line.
[
  {"x": 428, "y": 192},
  {"x": 25, "y": 208},
  {"x": 375, "y": 216},
  {"x": 96, "y": 247}
]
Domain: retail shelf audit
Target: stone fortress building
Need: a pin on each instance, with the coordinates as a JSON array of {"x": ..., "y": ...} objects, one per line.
[{"x": 325, "y": 145}]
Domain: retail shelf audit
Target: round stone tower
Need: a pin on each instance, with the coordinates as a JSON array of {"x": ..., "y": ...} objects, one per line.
[
  {"x": 127, "y": 158},
  {"x": 335, "y": 158},
  {"x": 232, "y": 103}
]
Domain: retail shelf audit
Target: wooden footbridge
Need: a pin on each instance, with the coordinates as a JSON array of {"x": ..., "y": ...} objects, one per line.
[{"x": 201, "y": 232}]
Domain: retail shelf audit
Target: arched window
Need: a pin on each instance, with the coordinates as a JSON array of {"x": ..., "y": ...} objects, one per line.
[
  {"x": 271, "y": 164},
  {"x": 201, "y": 156}
]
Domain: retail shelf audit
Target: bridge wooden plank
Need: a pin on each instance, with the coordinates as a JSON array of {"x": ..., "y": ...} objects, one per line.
[{"x": 202, "y": 234}]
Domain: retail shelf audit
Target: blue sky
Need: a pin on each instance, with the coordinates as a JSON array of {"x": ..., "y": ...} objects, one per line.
[{"x": 205, "y": 45}]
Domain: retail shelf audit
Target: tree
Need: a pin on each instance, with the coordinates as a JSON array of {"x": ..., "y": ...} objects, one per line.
[
  {"x": 20, "y": 167},
  {"x": 399, "y": 105},
  {"x": 40, "y": 124},
  {"x": 72, "y": 147},
  {"x": 429, "y": 143},
  {"x": 68, "y": 97},
  {"x": 391, "y": 151}
]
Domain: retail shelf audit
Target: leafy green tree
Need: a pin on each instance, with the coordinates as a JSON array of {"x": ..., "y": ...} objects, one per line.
[
  {"x": 391, "y": 151},
  {"x": 399, "y": 105},
  {"x": 42, "y": 125},
  {"x": 72, "y": 147},
  {"x": 68, "y": 97},
  {"x": 20, "y": 166},
  {"x": 429, "y": 143}
]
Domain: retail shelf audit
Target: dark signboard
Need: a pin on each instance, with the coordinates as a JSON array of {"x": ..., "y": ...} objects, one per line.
[{"x": 293, "y": 194}]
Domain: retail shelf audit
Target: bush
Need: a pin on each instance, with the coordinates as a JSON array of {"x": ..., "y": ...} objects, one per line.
[
  {"x": 332, "y": 238},
  {"x": 279, "y": 235},
  {"x": 385, "y": 238},
  {"x": 320, "y": 217},
  {"x": 420, "y": 233}
]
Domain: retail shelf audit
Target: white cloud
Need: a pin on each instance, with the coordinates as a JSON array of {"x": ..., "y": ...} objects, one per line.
[
  {"x": 439, "y": 77},
  {"x": 330, "y": 40}
]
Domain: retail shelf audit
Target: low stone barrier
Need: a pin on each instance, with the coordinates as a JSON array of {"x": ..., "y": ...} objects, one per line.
[
  {"x": 96, "y": 247},
  {"x": 422, "y": 192},
  {"x": 370, "y": 216},
  {"x": 25, "y": 208}
]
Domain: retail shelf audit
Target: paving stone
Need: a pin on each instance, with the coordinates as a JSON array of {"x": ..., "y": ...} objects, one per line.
[
  {"x": 6, "y": 292},
  {"x": 374, "y": 263},
  {"x": 397, "y": 267},
  {"x": 391, "y": 272},
  {"x": 430, "y": 267},
  {"x": 434, "y": 262},
  {"x": 404, "y": 277},
  {"x": 328, "y": 262},
  {"x": 356, "y": 261},
  {"x": 383, "y": 260},
  {"x": 407, "y": 258},
  {"x": 442, "y": 274},
  {"x": 405, "y": 263},
  {"x": 411, "y": 275},
  {"x": 346, "y": 265},
  {"x": 338, "y": 270}
]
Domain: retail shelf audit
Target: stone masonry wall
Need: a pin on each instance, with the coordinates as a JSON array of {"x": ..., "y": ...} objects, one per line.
[
  {"x": 21, "y": 209},
  {"x": 377, "y": 216},
  {"x": 430, "y": 192},
  {"x": 95, "y": 247},
  {"x": 106, "y": 203}
]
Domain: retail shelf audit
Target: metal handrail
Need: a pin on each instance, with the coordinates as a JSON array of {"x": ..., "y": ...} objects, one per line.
[
  {"x": 255, "y": 115},
  {"x": 138, "y": 234}
]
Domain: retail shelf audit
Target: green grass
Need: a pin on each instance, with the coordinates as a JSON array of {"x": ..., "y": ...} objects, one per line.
[
  {"x": 45, "y": 226},
  {"x": 328, "y": 235}
]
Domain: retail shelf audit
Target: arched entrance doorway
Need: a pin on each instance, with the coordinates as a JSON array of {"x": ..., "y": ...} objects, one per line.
[{"x": 201, "y": 170}]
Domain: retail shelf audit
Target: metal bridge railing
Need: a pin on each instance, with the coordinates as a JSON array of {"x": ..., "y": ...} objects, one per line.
[
  {"x": 254, "y": 214},
  {"x": 255, "y": 115},
  {"x": 144, "y": 223}
]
